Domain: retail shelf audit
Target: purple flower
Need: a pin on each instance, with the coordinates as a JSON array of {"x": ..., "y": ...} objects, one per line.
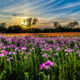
[
  {"x": 23, "y": 48},
  {"x": 76, "y": 46},
  {"x": 79, "y": 55},
  {"x": 10, "y": 52},
  {"x": 45, "y": 55},
  {"x": 42, "y": 49},
  {"x": 14, "y": 53},
  {"x": 66, "y": 53},
  {"x": 47, "y": 65},
  {"x": 77, "y": 52},
  {"x": 42, "y": 66},
  {"x": 4, "y": 51},
  {"x": 3, "y": 47},
  {"x": 8, "y": 59},
  {"x": 55, "y": 54},
  {"x": 70, "y": 50},
  {"x": 58, "y": 49},
  {"x": 1, "y": 55},
  {"x": 27, "y": 53},
  {"x": 66, "y": 50}
]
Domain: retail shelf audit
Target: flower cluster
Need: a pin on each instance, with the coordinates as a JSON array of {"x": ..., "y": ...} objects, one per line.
[{"x": 47, "y": 65}]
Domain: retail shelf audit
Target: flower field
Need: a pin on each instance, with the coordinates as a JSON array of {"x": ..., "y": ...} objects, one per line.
[{"x": 39, "y": 58}]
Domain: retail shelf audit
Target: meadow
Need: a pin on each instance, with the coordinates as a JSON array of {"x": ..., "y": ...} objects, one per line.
[{"x": 39, "y": 58}]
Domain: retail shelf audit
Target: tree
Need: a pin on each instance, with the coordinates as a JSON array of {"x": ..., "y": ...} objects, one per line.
[
  {"x": 56, "y": 24},
  {"x": 3, "y": 27},
  {"x": 31, "y": 21},
  {"x": 35, "y": 20},
  {"x": 72, "y": 24},
  {"x": 14, "y": 29}
]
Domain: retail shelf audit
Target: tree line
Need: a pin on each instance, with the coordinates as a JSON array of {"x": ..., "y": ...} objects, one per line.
[{"x": 57, "y": 27}]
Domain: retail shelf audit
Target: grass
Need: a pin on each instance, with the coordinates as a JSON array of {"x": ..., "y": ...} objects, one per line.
[{"x": 21, "y": 58}]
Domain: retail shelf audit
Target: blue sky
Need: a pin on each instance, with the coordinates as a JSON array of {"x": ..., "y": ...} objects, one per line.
[{"x": 64, "y": 10}]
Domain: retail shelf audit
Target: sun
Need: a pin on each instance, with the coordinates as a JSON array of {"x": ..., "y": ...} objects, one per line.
[{"x": 24, "y": 23}]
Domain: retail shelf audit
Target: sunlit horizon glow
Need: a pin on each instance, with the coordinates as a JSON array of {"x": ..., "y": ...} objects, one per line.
[{"x": 15, "y": 11}]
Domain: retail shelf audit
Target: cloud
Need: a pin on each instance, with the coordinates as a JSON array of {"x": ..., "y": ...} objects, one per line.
[{"x": 62, "y": 10}]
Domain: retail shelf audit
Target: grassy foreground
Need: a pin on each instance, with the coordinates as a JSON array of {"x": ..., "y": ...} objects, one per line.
[{"x": 34, "y": 58}]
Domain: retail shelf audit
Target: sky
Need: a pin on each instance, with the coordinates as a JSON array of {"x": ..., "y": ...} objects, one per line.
[{"x": 48, "y": 11}]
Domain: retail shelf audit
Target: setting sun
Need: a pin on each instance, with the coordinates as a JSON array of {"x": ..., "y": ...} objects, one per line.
[{"x": 24, "y": 23}]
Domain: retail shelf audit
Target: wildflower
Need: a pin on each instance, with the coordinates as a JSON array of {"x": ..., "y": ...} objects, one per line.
[
  {"x": 1, "y": 55},
  {"x": 10, "y": 52},
  {"x": 27, "y": 53},
  {"x": 76, "y": 46},
  {"x": 55, "y": 54},
  {"x": 4, "y": 51},
  {"x": 66, "y": 50},
  {"x": 23, "y": 48},
  {"x": 70, "y": 50},
  {"x": 77, "y": 52},
  {"x": 14, "y": 53},
  {"x": 58, "y": 49},
  {"x": 42, "y": 49},
  {"x": 47, "y": 65},
  {"x": 8, "y": 59},
  {"x": 66, "y": 53},
  {"x": 79, "y": 55},
  {"x": 45, "y": 55},
  {"x": 3, "y": 47},
  {"x": 42, "y": 65}
]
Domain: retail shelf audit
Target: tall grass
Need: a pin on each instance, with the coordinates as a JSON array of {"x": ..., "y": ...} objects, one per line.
[{"x": 22, "y": 57}]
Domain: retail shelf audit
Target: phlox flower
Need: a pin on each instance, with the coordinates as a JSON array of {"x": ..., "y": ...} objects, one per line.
[
  {"x": 45, "y": 55},
  {"x": 5, "y": 52},
  {"x": 47, "y": 65},
  {"x": 79, "y": 55},
  {"x": 1, "y": 55},
  {"x": 8, "y": 59}
]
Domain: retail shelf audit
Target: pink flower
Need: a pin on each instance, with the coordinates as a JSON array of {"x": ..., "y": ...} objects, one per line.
[
  {"x": 77, "y": 52},
  {"x": 42, "y": 65},
  {"x": 47, "y": 65},
  {"x": 66, "y": 53},
  {"x": 76, "y": 46},
  {"x": 9, "y": 59},
  {"x": 23, "y": 48},
  {"x": 79, "y": 55},
  {"x": 58, "y": 49},
  {"x": 1, "y": 55},
  {"x": 4, "y": 51},
  {"x": 3, "y": 47},
  {"x": 27, "y": 53},
  {"x": 45, "y": 55}
]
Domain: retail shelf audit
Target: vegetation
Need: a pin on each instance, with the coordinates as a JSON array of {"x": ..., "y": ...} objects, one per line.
[
  {"x": 32, "y": 21},
  {"x": 31, "y": 58}
]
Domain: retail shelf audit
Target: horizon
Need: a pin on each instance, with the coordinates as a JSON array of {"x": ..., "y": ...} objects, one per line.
[{"x": 15, "y": 11}]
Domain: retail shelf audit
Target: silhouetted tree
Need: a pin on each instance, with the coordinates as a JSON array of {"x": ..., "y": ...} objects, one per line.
[
  {"x": 14, "y": 29},
  {"x": 3, "y": 27},
  {"x": 34, "y": 21},
  {"x": 72, "y": 24},
  {"x": 56, "y": 24},
  {"x": 30, "y": 21}
]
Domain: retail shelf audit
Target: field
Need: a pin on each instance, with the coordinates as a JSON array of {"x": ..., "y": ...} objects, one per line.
[
  {"x": 39, "y": 58},
  {"x": 44, "y": 34}
]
